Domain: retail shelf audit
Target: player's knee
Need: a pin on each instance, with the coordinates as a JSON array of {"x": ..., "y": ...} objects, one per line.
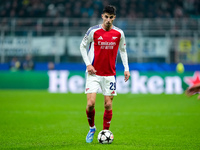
[
  {"x": 90, "y": 104},
  {"x": 108, "y": 102},
  {"x": 108, "y": 105}
]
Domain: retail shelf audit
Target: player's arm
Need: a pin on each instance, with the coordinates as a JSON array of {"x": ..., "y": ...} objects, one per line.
[
  {"x": 195, "y": 89},
  {"x": 124, "y": 57},
  {"x": 83, "y": 48}
]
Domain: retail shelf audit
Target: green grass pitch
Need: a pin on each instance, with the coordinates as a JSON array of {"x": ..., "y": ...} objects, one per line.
[{"x": 34, "y": 119}]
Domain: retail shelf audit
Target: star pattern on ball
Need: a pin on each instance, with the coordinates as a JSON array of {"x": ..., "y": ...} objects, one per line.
[
  {"x": 103, "y": 132},
  {"x": 108, "y": 139},
  {"x": 100, "y": 141}
]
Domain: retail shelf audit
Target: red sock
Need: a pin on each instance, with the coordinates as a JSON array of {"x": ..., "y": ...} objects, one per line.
[
  {"x": 90, "y": 117},
  {"x": 107, "y": 119}
]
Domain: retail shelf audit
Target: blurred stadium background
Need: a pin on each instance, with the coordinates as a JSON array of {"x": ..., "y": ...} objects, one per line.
[{"x": 42, "y": 35}]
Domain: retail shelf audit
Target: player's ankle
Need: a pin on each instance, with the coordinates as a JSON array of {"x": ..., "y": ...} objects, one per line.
[{"x": 93, "y": 127}]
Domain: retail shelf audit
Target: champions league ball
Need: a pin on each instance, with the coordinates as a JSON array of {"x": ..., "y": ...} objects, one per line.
[{"x": 105, "y": 137}]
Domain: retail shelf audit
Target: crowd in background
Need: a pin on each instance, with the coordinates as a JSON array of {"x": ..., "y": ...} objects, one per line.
[
  {"x": 58, "y": 9},
  {"x": 61, "y": 12},
  {"x": 26, "y": 64},
  {"x": 93, "y": 8}
]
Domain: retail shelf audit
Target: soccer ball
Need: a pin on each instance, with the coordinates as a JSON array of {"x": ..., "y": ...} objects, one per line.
[{"x": 105, "y": 137}]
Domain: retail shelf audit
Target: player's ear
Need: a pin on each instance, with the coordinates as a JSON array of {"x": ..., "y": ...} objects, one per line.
[{"x": 102, "y": 16}]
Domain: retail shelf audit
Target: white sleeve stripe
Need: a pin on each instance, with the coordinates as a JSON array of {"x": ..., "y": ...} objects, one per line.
[
  {"x": 123, "y": 53},
  {"x": 84, "y": 54},
  {"x": 124, "y": 58}
]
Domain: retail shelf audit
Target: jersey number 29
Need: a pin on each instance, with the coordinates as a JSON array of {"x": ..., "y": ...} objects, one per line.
[{"x": 112, "y": 86}]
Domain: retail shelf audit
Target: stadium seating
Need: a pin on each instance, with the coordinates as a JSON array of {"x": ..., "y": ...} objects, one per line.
[{"x": 90, "y": 9}]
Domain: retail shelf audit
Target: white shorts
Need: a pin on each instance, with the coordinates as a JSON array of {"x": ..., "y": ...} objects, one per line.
[{"x": 106, "y": 83}]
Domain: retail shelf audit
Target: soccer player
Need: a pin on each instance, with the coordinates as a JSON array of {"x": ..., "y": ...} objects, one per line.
[
  {"x": 195, "y": 89},
  {"x": 104, "y": 41}
]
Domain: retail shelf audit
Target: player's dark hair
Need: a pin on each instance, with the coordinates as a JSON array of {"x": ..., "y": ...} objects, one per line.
[{"x": 109, "y": 9}]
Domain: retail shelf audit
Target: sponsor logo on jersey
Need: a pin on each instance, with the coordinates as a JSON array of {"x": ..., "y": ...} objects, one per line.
[
  {"x": 100, "y": 38},
  {"x": 106, "y": 43}
]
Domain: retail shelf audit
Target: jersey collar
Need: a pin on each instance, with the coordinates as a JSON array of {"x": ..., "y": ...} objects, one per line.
[{"x": 104, "y": 29}]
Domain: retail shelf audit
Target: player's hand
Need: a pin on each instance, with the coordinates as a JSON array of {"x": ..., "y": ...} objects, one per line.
[
  {"x": 126, "y": 75},
  {"x": 193, "y": 90},
  {"x": 91, "y": 70}
]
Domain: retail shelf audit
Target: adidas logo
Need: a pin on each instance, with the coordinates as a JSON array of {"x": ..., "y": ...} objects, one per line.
[
  {"x": 100, "y": 38},
  {"x": 114, "y": 37}
]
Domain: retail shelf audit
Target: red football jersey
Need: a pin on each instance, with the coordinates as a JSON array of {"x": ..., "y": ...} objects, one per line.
[{"x": 103, "y": 48}]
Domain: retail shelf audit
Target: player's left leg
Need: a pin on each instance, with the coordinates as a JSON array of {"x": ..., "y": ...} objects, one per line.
[
  {"x": 108, "y": 85},
  {"x": 108, "y": 112}
]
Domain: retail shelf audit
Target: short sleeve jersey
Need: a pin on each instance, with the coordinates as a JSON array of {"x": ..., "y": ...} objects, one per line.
[{"x": 103, "y": 48}]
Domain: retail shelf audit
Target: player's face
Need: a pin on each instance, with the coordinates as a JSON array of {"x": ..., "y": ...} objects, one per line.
[{"x": 108, "y": 20}]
